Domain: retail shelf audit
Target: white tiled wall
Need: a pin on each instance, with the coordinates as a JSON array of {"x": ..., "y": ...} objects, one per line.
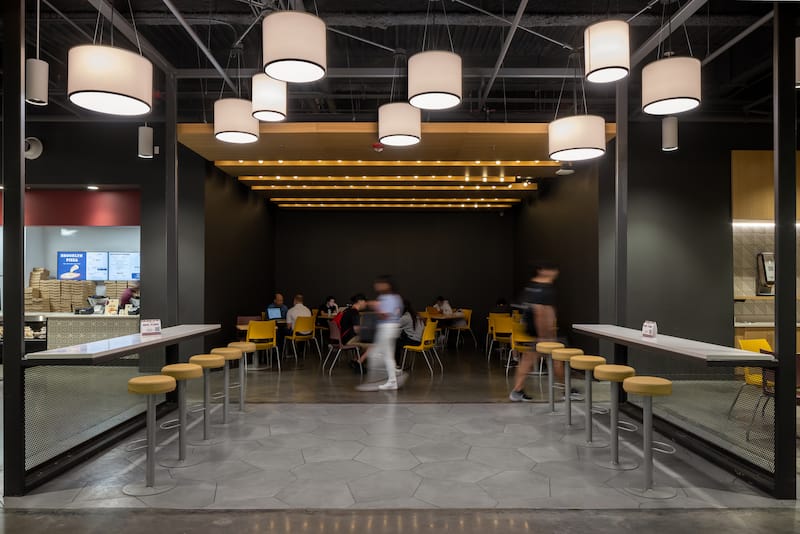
[{"x": 747, "y": 242}]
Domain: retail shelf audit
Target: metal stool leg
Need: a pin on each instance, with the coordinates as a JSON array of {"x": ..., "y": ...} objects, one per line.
[
  {"x": 242, "y": 382},
  {"x": 615, "y": 463},
  {"x": 149, "y": 487},
  {"x": 181, "y": 460},
  {"x": 567, "y": 389},
  {"x": 226, "y": 380},
  {"x": 550, "y": 385},
  {"x": 589, "y": 441},
  {"x": 649, "y": 491},
  {"x": 206, "y": 403}
]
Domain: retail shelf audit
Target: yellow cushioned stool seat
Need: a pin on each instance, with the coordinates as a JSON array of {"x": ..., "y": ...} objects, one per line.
[
  {"x": 244, "y": 346},
  {"x": 546, "y": 347},
  {"x": 586, "y": 363},
  {"x": 651, "y": 386},
  {"x": 151, "y": 385},
  {"x": 565, "y": 354},
  {"x": 182, "y": 371},
  {"x": 229, "y": 353},
  {"x": 208, "y": 361},
  {"x": 613, "y": 373}
]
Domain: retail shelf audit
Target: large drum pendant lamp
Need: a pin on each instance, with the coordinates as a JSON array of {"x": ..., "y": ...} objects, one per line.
[
  {"x": 399, "y": 124},
  {"x": 577, "y": 138},
  {"x": 606, "y": 51},
  {"x": 269, "y": 99},
  {"x": 109, "y": 80},
  {"x": 234, "y": 122},
  {"x": 294, "y": 46},
  {"x": 671, "y": 85},
  {"x": 434, "y": 80}
]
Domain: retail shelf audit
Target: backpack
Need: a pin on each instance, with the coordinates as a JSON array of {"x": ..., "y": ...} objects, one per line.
[{"x": 337, "y": 320}]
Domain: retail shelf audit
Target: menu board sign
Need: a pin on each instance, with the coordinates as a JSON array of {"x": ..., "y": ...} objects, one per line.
[
  {"x": 71, "y": 266},
  {"x": 123, "y": 266},
  {"x": 97, "y": 265}
]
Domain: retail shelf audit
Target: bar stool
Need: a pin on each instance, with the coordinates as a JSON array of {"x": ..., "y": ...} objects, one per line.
[
  {"x": 247, "y": 347},
  {"x": 230, "y": 354},
  {"x": 587, "y": 365},
  {"x": 181, "y": 372},
  {"x": 615, "y": 374},
  {"x": 151, "y": 386},
  {"x": 564, "y": 355},
  {"x": 207, "y": 362},
  {"x": 546, "y": 348},
  {"x": 649, "y": 387}
]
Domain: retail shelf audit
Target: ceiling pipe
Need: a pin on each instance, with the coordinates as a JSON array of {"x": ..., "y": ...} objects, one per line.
[
  {"x": 199, "y": 43},
  {"x": 674, "y": 23},
  {"x": 539, "y": 73},
  {"x": 750, "y": 29},
  {"x": 503, "y": 51}
]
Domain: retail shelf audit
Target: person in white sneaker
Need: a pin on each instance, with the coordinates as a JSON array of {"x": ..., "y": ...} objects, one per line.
[{"x": 389, "y": 308}]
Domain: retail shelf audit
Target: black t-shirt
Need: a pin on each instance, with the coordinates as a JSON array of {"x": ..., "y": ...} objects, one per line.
[
  {"x": 349, "y": 321},
  {"x": 536, "y": 293}
]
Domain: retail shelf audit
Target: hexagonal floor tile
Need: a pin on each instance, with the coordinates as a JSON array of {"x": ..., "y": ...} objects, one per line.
[
  {"x": 274, "y": 458},
  {"x": 497, "y": 457},
  {"x": 333, "y": 470},
  {"x": 511, "y": 484},
  {"x": 449, "y": 494},
  {"x": 441, "y": 451},
  {"x": 387, "y": 458},
  {"x": 336, "y": 450},
  {"x": 316, "y": 494},
  {"x": 457, "y": 471},
  {"x": 385, "y": 486}
]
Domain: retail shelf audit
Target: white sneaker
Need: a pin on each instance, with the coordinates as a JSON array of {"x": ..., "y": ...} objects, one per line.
[{"x": 388, "y": 386}]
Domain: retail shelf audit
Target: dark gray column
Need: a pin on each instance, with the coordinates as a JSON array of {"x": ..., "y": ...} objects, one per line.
[
  {"x": 171, "y": 196},
  {"x": 13, "y": 245},
  {"x": 785, "y": 143},
  {"x": 621, "y": 221}
]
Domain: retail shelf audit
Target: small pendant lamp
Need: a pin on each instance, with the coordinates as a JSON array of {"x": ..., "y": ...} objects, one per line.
[
  {"x": 399, "y": 124},
  {"x": 669, "y": 134},
  {"x": 269, "y": 99},
  {"x": 577, "y": 138},
  {"x": 109, "y": 80},
  {"x": 294, "y": 46},
  {"x": 145, "y": 142},
  {"x": 607, "y": 51},
  {"x": 671, "y": 85},
  {"x": 234, "y": 121}
]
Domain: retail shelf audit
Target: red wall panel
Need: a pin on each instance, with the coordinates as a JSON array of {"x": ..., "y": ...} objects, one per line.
[{"x": 81, "y": 208}]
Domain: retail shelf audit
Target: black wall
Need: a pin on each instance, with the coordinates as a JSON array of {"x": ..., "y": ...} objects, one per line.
[
  {"x": 239, "y": 261},
  {"x": 466, "y": 257},
  {"x": 560, "y": 225},
  {"x": 680, "y": 245}
]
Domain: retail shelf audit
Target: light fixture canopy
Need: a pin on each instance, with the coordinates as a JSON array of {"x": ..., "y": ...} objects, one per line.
[
  {"x": 269, "y": 98},
  {"x": 294, "y": 46},
  {"x": 576, "y": 138},
  {"x": 234, "y": 122},
  {"x": 671, "y": 85},
  {"x": 145, "y": 142},
  {"x": 399, "y": 124},
  {"x": 36, "y": 80},
  {"x": 607, "y": 51},
  {"x": 109, "y": 80},
  {"x": 669, "y": 134},
  {"x": 434, "y": 80}
]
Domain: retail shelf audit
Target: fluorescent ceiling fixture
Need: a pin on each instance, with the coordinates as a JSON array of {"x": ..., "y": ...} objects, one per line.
[
  {"x": 671, "y": 85},
  {"x": 109, "y": 80},
  {"x": 399, "y": 124},
  {"x": 577, "y": 138},
  {"x": 234, "y": 122},
  {"x": 434, "y": 80},
  {"x": 607, "y": 51},
  {"x": 67, "y": 232},
  {"x": 294, "y": 46},
  {"x": 269, "y": 99}
]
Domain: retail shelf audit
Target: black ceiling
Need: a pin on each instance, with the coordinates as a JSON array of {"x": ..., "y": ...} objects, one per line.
[{"x": 736, "y": 85}]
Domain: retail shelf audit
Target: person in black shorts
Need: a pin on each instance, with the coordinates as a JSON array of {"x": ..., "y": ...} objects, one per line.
[{"x": 539, "y": 298}]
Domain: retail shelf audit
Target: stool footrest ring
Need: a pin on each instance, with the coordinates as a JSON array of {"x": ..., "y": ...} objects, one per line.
[
  {"x": 599, "y": 410},
  {"x": 627, "y": 426},
  {"x": 136, "y": 445},
  {"x": 663, "y": 448},
  {"x": 169, "y": 425}
]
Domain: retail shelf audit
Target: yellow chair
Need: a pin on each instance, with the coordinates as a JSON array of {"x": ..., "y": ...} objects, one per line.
[
  {"x": 490, "y": 323},
  {"x": 427, "y": 343},
  {"x": 516, "y": 316},
  {"x": 464, "y": 328},
  {"x": 302, "y": 330},
  {"x": 318, "y": 328},
  {"x": 752, "y": 375},
  {"x": 520, "y": 342},
  {"x": 263, "y": 334},
  {"x": 501, "y": 333}
]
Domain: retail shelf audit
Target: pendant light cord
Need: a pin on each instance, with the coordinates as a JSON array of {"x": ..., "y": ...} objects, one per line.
[
  {"x": 38, "y": 23},
  {"x": 447, "y": 27},
  {"x": 135, "y": 31},
  {"x": 425, "y": 28},
  {"x": 686, "y": 33}
]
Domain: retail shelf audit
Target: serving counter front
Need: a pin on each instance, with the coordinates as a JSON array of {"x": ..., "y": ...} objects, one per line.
[{"x": 76, "y": 396}]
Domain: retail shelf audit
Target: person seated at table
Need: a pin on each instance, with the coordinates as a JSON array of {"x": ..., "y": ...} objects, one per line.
[
  {"x": 443, "y": 306},
  {"x": 349, "y": 326},
  {"x": 329, "y": 307},
  {"x": 501, "y": 306},
  {"x": 411, "y": 327},
  {"x": 277, "y": 303},
  {"x": 298, "y": 310}
]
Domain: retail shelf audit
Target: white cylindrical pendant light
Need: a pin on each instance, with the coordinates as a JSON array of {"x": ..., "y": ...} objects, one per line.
[
  {"x": 399, "y": 124},
  {"x": 234, "y": 122},
  {"x": 607, "y": 51},
  {"x": 145, "y": 142},
  {"x": 269, "y": 98},
  {"x": 577, "y": 138},
  {"x": 109, "y": 80},
  {"x": 797, "y": 63},
  {"x": 36, "y": 79},
  {"x": 434, "y": 80},
  {"x": 294, "y": 46},
  {"x": 671, "y": 85},
  {"x": 669, "y": 134}
]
